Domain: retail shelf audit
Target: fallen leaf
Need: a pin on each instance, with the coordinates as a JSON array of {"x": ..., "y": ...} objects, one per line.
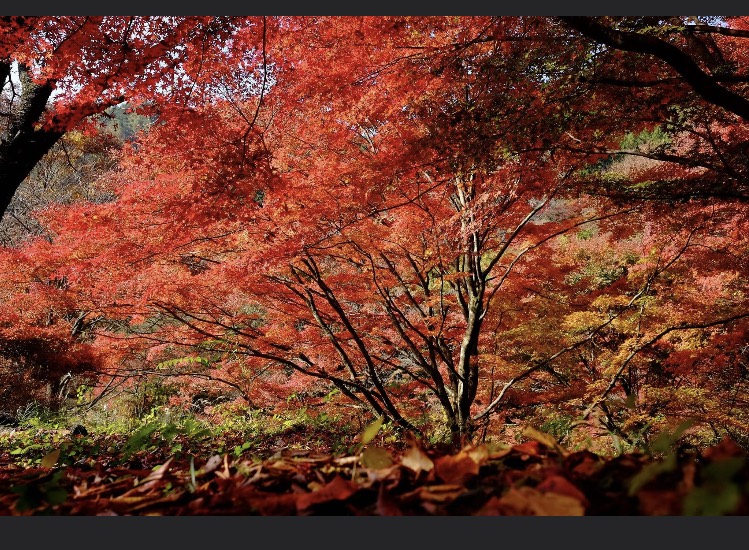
[
  {"x": 390, "y": 473},
  {"x": 440, "y": 493},
  {"x": 346, "y": 460},
  {"x": 50, "y": 459},
  {"x": 146, "y": 484},
  {"x": 687, "y": 482},
  {"x": 492, "y": 507},
  {"x": 583, "y": 463},
  {"x": 532, "y": 502},
  {"x": 660, "y": 503},
  {"x": 274, "y": 505},
  {"x": 376, "y": 458},
  {"x": 416, "y": 460},
  {"x": 371, "y": 430},
  {"x": 498, "y": 450},
  {"x": 479, "y": 453},
  {"x": 532, "y": 448},
  {"x": 168, "y": 499},
  {"x": 456, "y": 469},
  {"x": 158, "y": 472},
  {"x": 226, "y": 466},
  {"x": 211, "y": 465},
  {"x": 337, "y": 489},
  {"x": 562, "y": 486},
  {"x": 725, "y": 449}
]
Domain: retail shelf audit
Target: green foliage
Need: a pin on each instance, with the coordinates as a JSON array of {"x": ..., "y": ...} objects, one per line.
[
  {"x": 36, "y": 415},
  {"x": 28, "y": 446},
  {"x": 586, "y": 233},
  {"x": 651, "y": 472},
  {"x": 559, "y": 426},
  {"x": 181, "y": 361},
  {"x": 718, "y": 493},
  {"x": 46, "y": 491},
  {"x": 240, "y": 449},
  {"x": 159, "y": 430},
  {"x": 125, "y": 124},
  {"x": 140, "y": 440},
  {"x": 665, "y": 442},
  {"x": 663, "y": 445},
  {"x": 150, "y": 395},
  {"x": 647, "y": 140},
  {"x": 82, "y": 394}
]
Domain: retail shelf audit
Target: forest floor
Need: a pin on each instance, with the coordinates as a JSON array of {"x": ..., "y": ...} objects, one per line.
[{"x": 537, "y": 477}]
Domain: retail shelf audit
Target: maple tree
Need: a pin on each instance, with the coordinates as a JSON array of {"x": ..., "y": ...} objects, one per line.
[
  {"x": 450, "y": 221},
  {"x": 56, "y": 71}
]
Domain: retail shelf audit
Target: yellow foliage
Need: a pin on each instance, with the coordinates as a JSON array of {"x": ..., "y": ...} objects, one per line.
[
  {"x": 624, "y": 324},
  {"x": 694, "y": 396},
  {"x": 635, "y": 421},
  {"x": 595, "y": 388},
  {"x": 607, "y": 303},
  {"x": 582, "y": 321},
  {"x": 651, "y": 394}
]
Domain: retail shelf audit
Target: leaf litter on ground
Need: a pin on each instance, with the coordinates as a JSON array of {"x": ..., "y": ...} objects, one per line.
[{"x": 536, "y": 477}]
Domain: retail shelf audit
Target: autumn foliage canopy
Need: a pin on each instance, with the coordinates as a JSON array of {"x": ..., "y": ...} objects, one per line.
[{"x": 454, "y": 223}]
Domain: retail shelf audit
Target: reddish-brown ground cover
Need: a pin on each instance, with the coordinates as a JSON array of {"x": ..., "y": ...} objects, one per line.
[{"x": 533, "y": 478}]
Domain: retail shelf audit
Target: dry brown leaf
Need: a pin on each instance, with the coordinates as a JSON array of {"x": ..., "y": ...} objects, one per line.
[
  {"x": 346, "y": 460},
  {"x": 585, "y": 463},
  {"x": 532, "y": 502},
  {"x": 416, "y": 460},
  {"x": 478, "y": 453},
  {"x": 456, "y": 469},
  {"x": 562, "y": 486},
  {"x": 168, "y": 499},
  {"x": 145, "y": 485},
  {"x": 492, "y": 507},
  {"x": 660, "y": 503},
  {"x": 390, "y": 473},
  {"x": 337, "y": 489},
  {"x": 226, "y": 473},
  {"x": 274, "y": 505},
  {"x": 725, "y": 449},
  {"x": 499, "y": 451},
  {"x": 211, "y": 465},
  {"x": 687, "y": 482},
  {"x": 440, "y": 493},
  {"x": 532, "y": 448}
]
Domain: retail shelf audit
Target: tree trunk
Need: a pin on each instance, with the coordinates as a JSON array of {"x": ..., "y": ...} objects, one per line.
[{"x": 24, "y": 141}]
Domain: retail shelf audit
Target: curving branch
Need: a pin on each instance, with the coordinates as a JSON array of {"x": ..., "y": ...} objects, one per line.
[{"x": 704, "y": 84}]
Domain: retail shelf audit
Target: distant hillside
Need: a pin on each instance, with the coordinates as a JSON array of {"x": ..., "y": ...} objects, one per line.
[{"x": 123, "y": 123}]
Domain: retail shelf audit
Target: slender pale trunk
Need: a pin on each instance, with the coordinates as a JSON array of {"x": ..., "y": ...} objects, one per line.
[{"x": 467, "y": 365}]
